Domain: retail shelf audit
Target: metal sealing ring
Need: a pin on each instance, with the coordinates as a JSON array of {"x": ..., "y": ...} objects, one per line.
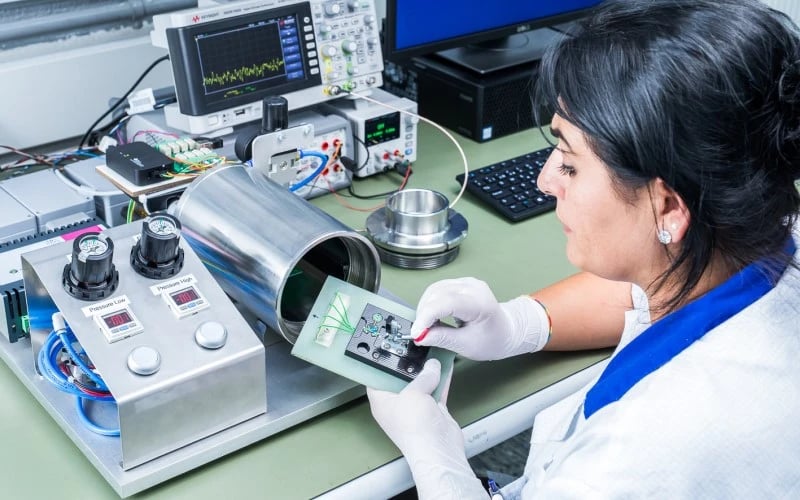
[{"x": 417, "y": 229}]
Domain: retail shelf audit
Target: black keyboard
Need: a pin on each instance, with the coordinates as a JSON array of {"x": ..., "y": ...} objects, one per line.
[{"x": 509, "y": 186}]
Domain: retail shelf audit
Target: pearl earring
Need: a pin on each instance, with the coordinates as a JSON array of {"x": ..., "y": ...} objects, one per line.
[{"x": 664, "y": 237}]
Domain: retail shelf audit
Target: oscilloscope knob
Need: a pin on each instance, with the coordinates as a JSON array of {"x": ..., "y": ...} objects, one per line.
[
  {"x": 333, "y": 8},
  {"x": 369, "y": 19},
  {"x": 329, "y": 51},
  {"x": 349, "y": 46},
  {"x": 353, "y": 4}
]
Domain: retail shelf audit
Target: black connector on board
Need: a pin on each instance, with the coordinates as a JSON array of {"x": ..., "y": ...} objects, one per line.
[{"x": 138, "y": 163}]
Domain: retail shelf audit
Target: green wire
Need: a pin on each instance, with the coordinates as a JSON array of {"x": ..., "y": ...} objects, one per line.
[
  {"x": 345, "y": 318},
  {"x": 342, "y": 317},
  {"x": 346, "y": 325},
  {"x": 336, "y": 328},
  {"x": 131, "y": 204}
]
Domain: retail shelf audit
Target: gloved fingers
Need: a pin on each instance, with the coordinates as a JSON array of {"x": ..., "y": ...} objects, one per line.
[
  {"x": 442, "y": 336},
  {"x": 461, "y": 304},
  {"x": 448, "y": 378},
  {"x": 427, "y": 380},
  {"x": 377, "y": 398}
]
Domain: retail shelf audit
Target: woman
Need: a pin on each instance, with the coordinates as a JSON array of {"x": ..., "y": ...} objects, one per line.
[{"x": 678, "y": 146}]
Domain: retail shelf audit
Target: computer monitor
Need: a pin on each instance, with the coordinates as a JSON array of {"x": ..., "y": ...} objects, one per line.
[{"x": 481, "y": 35}]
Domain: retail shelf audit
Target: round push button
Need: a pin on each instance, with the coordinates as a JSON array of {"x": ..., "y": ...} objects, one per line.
[
  {"x": 144, "y": 360},
  {"x": 211, "y": 335}
]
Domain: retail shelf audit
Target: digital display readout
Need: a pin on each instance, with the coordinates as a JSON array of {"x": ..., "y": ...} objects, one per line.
[
  {"x": 382, "y": 128},
  {"x": 118, "y": 318},
  {"x": 184, "y": 296}
]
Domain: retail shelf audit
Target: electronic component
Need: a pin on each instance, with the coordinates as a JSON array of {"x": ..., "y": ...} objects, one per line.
[
  {"x": 378, "y": 341},
  {"x": 276, "y": 153},
  {"x": 110, "y": 204},
  {"x": 186, "y": 301},
  {"x": 49, "y": 199},
  {"x": 16, "y": 221},
  {"x": 227, "y": 58},
  {"x": 118, "y": 324},
  {"x": 385, "y": 136},
  {"x": 138, "y": 163}
]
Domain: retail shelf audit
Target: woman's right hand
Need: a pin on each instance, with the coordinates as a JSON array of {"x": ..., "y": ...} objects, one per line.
[{"x": 487, "y": 330}]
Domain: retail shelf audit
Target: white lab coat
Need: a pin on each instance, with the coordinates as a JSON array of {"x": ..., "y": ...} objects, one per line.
[{"x": 719, "y": 420}]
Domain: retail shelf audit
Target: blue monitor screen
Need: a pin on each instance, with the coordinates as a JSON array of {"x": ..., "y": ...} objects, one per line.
[{"x": 436, "y": 23}]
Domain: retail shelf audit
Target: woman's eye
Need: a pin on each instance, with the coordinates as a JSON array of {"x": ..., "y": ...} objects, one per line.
[{"x": 566, "y": 170}]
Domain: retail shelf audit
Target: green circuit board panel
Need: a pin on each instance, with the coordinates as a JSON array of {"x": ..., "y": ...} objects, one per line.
[{"x": 358, "y": 334}]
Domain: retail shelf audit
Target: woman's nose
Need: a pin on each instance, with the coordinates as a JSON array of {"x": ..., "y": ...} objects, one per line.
[{"x": 547, "y": 181}]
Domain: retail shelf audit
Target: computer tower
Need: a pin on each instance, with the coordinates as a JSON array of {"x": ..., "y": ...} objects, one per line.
[{"x": 479, "y": 106}]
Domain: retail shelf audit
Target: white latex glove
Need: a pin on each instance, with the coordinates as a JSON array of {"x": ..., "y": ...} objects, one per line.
[
  {"x": 431, "y": 441},
  {"x": 488, "y": 330}
]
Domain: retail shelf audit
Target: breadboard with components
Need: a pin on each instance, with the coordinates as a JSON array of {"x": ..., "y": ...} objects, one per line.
[{"x": 358, "y": 335}]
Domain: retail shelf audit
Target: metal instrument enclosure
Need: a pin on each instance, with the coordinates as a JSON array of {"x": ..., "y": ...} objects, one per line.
[{"x": 197, "y": 390}]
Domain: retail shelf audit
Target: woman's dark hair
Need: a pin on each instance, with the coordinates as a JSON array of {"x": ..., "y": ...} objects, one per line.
[{"x": 704, "y": 94}]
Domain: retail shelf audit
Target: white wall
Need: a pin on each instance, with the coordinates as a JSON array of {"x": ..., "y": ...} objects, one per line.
[
  {"x": 790, "y": 7},
  {"x": 56, "y": 96}
]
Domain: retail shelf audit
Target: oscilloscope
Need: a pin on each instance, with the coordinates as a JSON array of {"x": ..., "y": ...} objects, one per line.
[{"x": 227, "y": 58}]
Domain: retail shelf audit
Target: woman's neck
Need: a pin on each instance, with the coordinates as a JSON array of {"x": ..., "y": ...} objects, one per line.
[{"x": 659, "y": 298}]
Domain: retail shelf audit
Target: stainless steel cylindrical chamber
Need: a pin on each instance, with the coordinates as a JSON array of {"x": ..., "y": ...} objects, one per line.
[{"x": 269, "y": 249}]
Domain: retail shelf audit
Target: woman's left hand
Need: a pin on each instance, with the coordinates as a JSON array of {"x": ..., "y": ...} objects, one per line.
[{"x": 431, "y": 441}]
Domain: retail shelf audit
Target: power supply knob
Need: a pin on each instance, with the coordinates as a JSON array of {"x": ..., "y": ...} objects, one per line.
[
  {"x": 158, "y": 254},
  {"x": 91, "y": 274},
  {"x": 349, "y": 46}
]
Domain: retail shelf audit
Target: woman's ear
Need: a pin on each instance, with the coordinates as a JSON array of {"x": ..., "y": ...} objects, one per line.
[{"x": 671, "y": 211}]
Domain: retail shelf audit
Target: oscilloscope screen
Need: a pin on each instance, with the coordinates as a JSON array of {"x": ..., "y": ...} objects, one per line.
[
  {"x": 236, "y": 60},
  {"x": 220, "y": 64}
]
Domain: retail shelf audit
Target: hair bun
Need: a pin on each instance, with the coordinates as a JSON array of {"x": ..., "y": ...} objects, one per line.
[{"x": 789, "y": 83}]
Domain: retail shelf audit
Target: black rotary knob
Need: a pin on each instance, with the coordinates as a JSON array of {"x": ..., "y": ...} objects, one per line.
[
  {"x": 275, "y": 114},
  {"x": 91, "y": 274},
  {"x": 158, "y": 253}
]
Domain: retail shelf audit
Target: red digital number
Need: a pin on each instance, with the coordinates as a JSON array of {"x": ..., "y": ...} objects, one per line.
[
  {"x": 117, "y": 319},
  {"x": 185, "y": 296}
]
